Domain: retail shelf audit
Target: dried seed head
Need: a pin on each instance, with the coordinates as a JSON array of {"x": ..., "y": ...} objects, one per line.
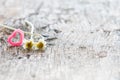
[
  {"x": 28, "y": 44},
  {"x": 40, "y": 45}
]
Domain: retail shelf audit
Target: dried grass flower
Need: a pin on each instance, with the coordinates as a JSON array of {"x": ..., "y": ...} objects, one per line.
[
  {"x": 28, "y": 44},
  {"x": 40, "y": 45}
]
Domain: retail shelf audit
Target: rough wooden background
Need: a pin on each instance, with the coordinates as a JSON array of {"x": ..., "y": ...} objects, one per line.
[{"x": 87, "y": 45}]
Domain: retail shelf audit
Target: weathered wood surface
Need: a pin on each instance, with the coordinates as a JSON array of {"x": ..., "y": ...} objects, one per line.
[{"x": 87, "y": 45}]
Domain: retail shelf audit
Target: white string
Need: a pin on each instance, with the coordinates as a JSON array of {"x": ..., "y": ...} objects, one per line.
[{"x": 32, "y": 28}]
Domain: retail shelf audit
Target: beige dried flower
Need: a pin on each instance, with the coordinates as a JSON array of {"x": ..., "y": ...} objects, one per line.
[
  {"x": 28, "y": 44},
  {"x": 40, "y": 45}
]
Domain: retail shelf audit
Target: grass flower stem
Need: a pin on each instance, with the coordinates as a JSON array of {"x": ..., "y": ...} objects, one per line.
[
  {"x": 32, "y": 28},
  {"x": 29, "y": 33}
]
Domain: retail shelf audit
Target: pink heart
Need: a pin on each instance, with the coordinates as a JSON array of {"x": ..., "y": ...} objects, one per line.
[{"x": 13, "y": 35}]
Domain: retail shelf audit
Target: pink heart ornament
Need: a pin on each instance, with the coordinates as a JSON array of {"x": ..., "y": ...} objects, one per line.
[{"x": 13, "y": 35}]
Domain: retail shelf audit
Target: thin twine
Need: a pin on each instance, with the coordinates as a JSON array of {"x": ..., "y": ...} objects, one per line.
[
  {"x": 11, "y": 28},
  {"x": 32, "y": 28}
]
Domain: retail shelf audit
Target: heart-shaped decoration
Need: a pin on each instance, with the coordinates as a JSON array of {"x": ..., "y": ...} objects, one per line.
[{"x": 13, "y": 35}]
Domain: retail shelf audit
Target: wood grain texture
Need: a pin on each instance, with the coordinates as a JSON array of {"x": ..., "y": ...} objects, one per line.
[{"x": 87, "y": 45}]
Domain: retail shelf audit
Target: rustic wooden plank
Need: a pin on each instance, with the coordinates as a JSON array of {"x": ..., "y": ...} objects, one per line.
[{"x": 86, "y": 45}]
